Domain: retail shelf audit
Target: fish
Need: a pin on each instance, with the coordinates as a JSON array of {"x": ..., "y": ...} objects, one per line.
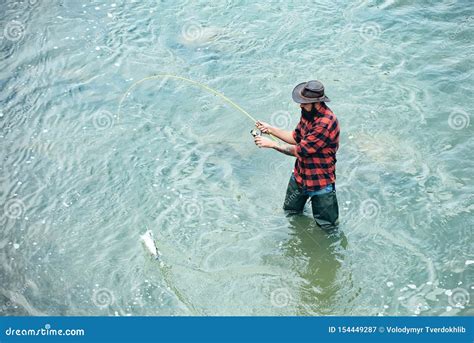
[{"x": 149, "y": 243}]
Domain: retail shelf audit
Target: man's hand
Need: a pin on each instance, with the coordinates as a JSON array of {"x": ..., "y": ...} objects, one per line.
[
  {"x": 286, "y": 136},
  {"x": 264, "y": 127},
  {"x": 286, "y": 149},
  {"x": 264, "y": 143}
]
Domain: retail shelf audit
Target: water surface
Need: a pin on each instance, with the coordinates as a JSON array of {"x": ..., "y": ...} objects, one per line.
[{"x": 79, "y": 183}]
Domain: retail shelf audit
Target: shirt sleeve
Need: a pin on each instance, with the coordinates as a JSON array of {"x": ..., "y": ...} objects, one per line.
[
  {"x": 313, "y": 141},
  {"x": 297, "y": 134}
]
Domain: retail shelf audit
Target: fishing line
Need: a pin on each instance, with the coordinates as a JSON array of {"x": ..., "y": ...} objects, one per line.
[
  {"x": 166, "y": 270},
  {"x": 196, "y": 83}
]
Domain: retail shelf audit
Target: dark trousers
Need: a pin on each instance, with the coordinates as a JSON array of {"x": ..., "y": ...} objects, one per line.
[{"x": 325, "y": 207}]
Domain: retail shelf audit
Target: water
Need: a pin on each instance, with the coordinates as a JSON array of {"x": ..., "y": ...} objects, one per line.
[{"x": 80, "y": 183}]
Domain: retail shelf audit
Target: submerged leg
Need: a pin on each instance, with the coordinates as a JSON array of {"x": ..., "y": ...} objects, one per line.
[
  {"x": 295, "y": 198},
  {"x": 326, "y": 210}
]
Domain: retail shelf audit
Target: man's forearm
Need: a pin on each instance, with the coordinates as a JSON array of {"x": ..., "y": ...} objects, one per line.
[
  {"x": 286, "y": 149},
  {"x": 286, "y": 136}
]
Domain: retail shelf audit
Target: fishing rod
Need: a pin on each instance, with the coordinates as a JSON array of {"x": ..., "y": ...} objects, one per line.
[
  {"x": 147, "y": 238},
  {"x": 195, "y": 83}
]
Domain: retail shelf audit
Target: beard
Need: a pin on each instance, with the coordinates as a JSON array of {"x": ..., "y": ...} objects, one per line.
[{"x": 309, "y": 115}]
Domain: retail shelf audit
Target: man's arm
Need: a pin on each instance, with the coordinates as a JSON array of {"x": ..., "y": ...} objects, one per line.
[
  {"x": 286, "y": 149},
  {"x": 286, "y": 136},
  {"x": 309, "y": 145}
]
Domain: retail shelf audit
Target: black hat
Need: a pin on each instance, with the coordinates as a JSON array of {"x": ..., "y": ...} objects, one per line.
[{"x": 309, "y": 92}]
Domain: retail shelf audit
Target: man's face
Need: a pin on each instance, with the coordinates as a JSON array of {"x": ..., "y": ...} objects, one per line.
[
  {"x": 306, "y": 107},
  {"x": 308, "y": 111}
]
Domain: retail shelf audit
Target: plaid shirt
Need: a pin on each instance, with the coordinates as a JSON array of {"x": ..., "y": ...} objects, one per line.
[{"x": 317, "y": 142}]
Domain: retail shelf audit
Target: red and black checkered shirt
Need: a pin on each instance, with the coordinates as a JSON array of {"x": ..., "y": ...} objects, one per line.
[{"x": 317, "y": 142}]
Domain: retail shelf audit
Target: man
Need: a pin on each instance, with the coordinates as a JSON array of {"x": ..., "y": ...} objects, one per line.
[{"x": 314, "y": 143}]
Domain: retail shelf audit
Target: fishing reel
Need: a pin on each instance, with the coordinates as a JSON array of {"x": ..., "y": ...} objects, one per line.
[{"x": 255, "y": 133}]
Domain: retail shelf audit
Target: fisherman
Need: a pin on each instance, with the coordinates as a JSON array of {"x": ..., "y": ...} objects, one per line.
[{"x": 314, "y": 143}]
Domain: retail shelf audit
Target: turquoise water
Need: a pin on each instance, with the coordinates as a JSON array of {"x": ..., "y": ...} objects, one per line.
[{"x": 80, "y": 183}]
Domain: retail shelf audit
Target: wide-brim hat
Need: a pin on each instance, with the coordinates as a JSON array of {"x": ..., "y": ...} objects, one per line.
[{"x": 309, "y": 92}]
